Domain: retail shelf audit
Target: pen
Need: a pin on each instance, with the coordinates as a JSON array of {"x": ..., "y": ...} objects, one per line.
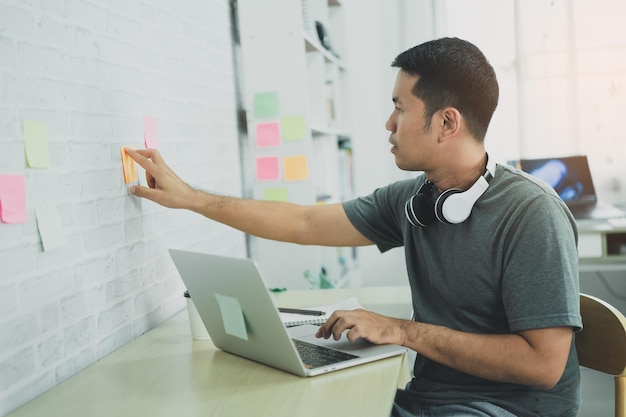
[{"x": 299, "y": 311}]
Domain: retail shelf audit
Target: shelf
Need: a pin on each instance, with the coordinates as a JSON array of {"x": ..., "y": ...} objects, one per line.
[
  {"x": 311, "y": 44},
  {"x": 318, "y": 130},
  {"x": 284, "y": 81},
  {"x": 602, "y": 243}
]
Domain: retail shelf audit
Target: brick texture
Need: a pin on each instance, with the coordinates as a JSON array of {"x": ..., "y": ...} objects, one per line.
[{"x": 90, "y": 71}]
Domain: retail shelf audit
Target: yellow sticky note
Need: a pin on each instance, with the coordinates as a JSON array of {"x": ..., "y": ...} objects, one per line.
[
  {"x": 275, "y": 194},
  {"x": 293, "y": 127},
  {"x": 296, "y": 168},
  {"x": 36, "y": 144},
  {"x": 129, "y": 167}
]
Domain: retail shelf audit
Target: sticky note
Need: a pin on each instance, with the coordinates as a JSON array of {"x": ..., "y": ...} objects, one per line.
[
  {"x": 36, "y": 144},
  {"x": 129, "y": 167},
  {"x": 12, "y": 198},
  {"x": 149, "y": 133},
  {"x": 232, "y": 316},
  {"x": 267, "y": 168},
  {"x": 266, "y": 104},
  {"x": 50, "y": 227},
  {"x": 275, "y": 194},
  {"x": 296, "y": 168},
  {"x": 267, "y": 134},
  {"x": 293, "y": 128}
]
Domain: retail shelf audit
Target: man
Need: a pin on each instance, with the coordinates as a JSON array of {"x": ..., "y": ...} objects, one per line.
[{"x": 491, "y": 253}]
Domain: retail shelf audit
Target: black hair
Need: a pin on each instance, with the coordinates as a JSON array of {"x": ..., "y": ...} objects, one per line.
[{"x": 453, "y": 72}]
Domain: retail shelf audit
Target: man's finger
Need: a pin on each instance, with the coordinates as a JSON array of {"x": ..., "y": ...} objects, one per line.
[
  {"x": 152, "y": 154},
  {"x": 141, "y": 191},
  {"x": 138, "y": 157}
]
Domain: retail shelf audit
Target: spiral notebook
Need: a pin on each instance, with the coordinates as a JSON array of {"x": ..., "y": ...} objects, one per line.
[{"x": 291, "y": 319}]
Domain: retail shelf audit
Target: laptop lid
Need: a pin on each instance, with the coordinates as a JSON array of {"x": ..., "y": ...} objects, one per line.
[
  {"x": 236, "y": 307},
  {"x": 570, "y": 177}
]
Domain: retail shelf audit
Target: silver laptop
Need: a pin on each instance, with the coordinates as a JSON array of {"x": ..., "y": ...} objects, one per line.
[
  {"x": 570, "y": 176},
  {"x": 241, "y": 318}
]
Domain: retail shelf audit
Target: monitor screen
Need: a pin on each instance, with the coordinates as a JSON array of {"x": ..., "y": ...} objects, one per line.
[{"x": 569, "y": 176}]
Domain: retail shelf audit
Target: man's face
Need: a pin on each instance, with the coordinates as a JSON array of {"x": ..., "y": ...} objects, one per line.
[{"x": 413, "y": 142}]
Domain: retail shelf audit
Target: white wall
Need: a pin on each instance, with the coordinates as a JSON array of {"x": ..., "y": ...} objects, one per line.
[
  {"x": 561, "y": 66},
  {"x": 562, "y": 70},
  {"x": 90, "y": 71},
  {"x": 572, "y": 62},
  {"x": 372, "y": 46}
]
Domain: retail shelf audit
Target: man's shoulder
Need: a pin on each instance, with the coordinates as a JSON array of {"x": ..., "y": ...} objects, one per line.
[{"x": 514, "y": 181}]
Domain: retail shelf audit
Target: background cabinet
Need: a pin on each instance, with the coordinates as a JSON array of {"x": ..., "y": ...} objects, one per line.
[
  {"x": 300, "y": 148},
  {"x": 602, "y": 242}
]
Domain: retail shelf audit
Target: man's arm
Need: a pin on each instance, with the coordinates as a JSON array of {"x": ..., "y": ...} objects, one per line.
[
  {"x": 532, "y": 357},
  {"x": 308, "y": 225}
]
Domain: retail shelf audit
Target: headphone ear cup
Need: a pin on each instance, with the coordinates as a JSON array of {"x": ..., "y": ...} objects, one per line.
[
  {"x": 419, "y": 209},
  {"x": 454, "y": 206},
  {"x": 451, "y": 207}
]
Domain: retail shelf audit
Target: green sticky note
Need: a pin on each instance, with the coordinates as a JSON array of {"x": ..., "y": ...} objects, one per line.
[
  {"x": 232, "y": 316},
  {"x": 36, "y": 144},
  {"x": 266, "y": 104},
  {"x": 275, "y": 194},
  {"x": 293, "y": 127}
]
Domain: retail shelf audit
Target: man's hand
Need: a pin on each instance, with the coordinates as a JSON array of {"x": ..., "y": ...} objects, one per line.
[
  {"x": 164, "y": 186},
  {"x": 364, "y": 324}
]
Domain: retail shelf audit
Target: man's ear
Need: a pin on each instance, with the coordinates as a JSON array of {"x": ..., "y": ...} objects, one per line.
[{"x": 450, "y": 122}]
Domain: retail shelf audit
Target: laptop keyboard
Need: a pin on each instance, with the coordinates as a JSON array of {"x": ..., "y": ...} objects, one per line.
[{"x": 315, "y": 356}]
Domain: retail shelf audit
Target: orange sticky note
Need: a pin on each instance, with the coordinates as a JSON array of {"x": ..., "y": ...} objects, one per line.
[
  {"x": 296, "y": 168},
  {"x": 129, "y": 166}
]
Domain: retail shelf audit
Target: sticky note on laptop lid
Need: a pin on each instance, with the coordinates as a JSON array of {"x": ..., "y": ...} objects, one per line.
[{"x": 232, "y": 316}]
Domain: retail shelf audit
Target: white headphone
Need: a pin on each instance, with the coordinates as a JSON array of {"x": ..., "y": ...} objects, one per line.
[{"x": 453, "y": 206}]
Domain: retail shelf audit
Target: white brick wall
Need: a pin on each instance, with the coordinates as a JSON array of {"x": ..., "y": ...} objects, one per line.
[{"x": 90, "y": 70}]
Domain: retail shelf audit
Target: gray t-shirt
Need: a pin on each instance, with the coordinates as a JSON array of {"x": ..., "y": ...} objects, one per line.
[{"x": 512, "y": 266}]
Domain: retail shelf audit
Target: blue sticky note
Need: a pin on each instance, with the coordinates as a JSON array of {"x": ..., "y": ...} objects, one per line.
[{"x": 232, "y": 316}]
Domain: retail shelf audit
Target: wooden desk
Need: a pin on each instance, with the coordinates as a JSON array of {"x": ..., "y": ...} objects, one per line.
[{"x": 166, "y": 373}]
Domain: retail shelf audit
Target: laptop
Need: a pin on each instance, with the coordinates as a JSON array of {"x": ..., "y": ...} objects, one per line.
[
  {"x": 235, "y": 305},
  {"x": 571, "y": 178}
]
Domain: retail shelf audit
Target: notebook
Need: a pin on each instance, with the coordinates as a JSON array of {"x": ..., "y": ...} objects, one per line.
[
  {"x": 571, "y": 178},
  {"x": 292, "y": 319},
  {"x": 236, "y": 307}
]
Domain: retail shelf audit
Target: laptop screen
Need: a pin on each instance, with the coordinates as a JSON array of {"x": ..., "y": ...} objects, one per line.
[{"x": 570, "y": 176}]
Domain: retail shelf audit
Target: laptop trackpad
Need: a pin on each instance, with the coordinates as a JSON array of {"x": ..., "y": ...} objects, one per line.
[{"x": 361, "y": 347}]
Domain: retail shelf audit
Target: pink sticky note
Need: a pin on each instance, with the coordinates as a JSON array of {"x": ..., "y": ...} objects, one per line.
[
  {"x": 267, "y": 168},
  {"x": 149, "y": 132},
  {"x": 12, "y": 198},
  {"x": 267, "y": 134}
]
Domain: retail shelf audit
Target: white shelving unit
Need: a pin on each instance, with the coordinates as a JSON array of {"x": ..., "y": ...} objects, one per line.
[{"x": 295, "y": 85}]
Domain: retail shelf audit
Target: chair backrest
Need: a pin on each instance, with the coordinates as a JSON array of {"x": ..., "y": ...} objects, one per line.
[{"x": 601, "y": 344}]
